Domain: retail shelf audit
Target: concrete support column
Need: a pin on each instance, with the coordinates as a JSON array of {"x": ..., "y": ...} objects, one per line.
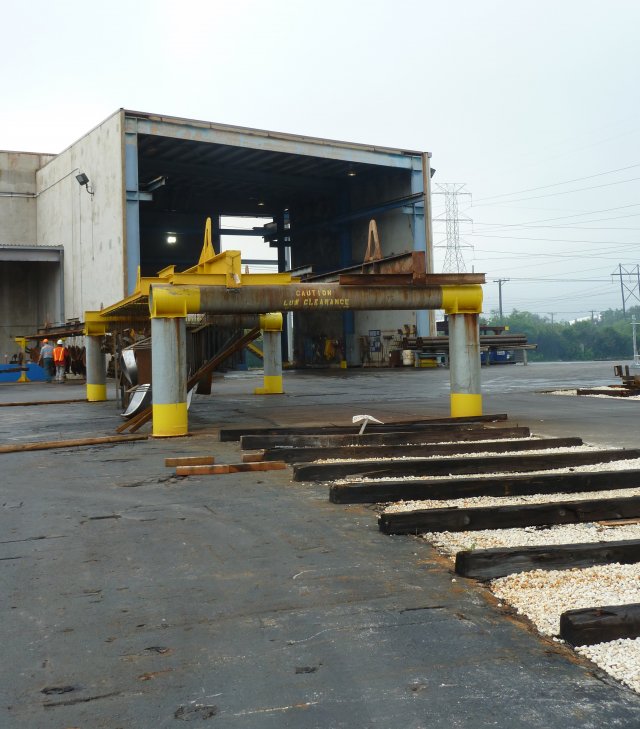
[
  {"x": 96, "y": 370},
  {"x": 271, "y": 325},
  {"x": 464, "y": 365},
  {"x": 424, "y": 325},
  {"x": 133, "y": 210},
  {"x": 169, "y": 376}
]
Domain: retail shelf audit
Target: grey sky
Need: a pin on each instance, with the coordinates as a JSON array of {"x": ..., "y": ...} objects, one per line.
[{"x": 508, "y": 96}]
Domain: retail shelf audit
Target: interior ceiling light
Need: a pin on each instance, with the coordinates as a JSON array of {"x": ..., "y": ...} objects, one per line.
[
  {"x": 172, "y": 238},
  {"x": 351, "y": 172},
  {"x": 260, "y": 203}
]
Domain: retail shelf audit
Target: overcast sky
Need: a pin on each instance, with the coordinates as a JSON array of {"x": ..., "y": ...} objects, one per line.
[{"x": 533, "y": 104}]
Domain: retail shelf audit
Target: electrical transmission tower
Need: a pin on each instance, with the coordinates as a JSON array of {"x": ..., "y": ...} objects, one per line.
[
  {"x": 629, "y": 284},
  {"x": 453, "y": 259}
]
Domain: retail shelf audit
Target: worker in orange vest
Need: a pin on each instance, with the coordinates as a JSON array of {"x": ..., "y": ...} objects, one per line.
[{"x": 59, "y": 356}]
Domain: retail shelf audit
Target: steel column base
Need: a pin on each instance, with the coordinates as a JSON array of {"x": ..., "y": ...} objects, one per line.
[
  {"x": 464, "y": 405},
  {"x": 170, "y": 420}
]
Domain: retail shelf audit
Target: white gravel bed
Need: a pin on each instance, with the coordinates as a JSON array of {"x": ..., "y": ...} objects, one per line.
[
  {"x": 603, "y": 394},
  {"x": 479, "y": 454},
  {"x": 543, "y": 595},
  {"x": 475, "y": 501},
  {"x": 440, "y": 442},
  {"x": 452, "y": 542},
  {"x": 628, "y": 464},
  {"x": 619, "y": 658}
]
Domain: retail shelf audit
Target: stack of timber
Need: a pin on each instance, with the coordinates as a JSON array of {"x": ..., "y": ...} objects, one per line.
[{"x": 487, "y": 341}]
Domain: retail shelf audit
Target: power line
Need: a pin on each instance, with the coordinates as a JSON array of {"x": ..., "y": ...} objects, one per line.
[
  {"x": 555, "y": 240},
  {"x": 566, "y": 192},
  {"x": 562, "y": 226},
  {"x": 556, "y": 184},
  {"x": 592, "y": 212}
]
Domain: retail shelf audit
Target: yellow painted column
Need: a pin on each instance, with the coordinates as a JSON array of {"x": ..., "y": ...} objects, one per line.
[
  {"x": 169, "y": 377},
  {"x": 271, "y": 325},
  {"x": 463, "y": 305},
  {"x": 96, "y": 366},
  {"x": 22, "y": 343}
]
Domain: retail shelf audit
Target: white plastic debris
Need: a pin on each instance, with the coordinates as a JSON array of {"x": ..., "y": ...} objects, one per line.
[{"x": 364, "y": 419}]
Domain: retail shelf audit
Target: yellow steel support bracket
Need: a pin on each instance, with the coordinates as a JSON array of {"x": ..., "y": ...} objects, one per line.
[
  {"x": 272, "y": 386},
  {"x": 94, "y": 325},
  {"x": 462, "y": 299},
  {"x": 271, "y": 322},
  {"x": 167, "y": 302}
]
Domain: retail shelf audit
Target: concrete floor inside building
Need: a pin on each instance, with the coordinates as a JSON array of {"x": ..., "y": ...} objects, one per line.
[{"x": 133, "y": 599}]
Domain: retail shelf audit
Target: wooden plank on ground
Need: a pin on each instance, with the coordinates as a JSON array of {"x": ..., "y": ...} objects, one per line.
[
  {"x": 73, "y": 443},
  {"x": 507, "y": 517},
  {"x": 488, "y": 564},
  {"x": 454, "y": 465},
  {"x": 358, "y": 453},
  {"x": 425, "y": 434},
  {"x": 371, "y": 492},
  {"x": 230, "y": 434},
  {"x": 41, "y": 402},
  {"x": 589, "y": 626},
  {"x": 254, "y": 457},
  {"x": 190, "y": 461},
  {"x": 618, "y": 522},
  {"x": 230, "y": 468}
]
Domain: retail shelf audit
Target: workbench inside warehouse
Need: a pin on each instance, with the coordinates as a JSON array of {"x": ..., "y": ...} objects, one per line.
[{"x": 136, "y": 598}]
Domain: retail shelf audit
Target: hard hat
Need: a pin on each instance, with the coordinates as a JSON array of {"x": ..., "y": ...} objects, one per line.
[
  {"x": 60, "y": 341},
  {"x": 45, "y": 341}
]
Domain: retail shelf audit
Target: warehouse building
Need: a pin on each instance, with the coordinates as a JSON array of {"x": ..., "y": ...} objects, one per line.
[{"x": 133, "y": 195}]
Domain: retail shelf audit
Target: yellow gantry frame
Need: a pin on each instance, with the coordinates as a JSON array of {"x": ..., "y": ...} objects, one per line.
[
  {"x": 225, "y": 269},
  {"x": 222, "y": 269}
]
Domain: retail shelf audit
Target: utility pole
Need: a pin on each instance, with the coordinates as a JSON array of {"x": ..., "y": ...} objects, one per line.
[
  {"x": 629, "y": 284},
  {"x": 453, "y": 259},
  {"x": 636, "y": 357},
  {"x": 500, "y": 281},
  {"x": 551, "y": 314}
]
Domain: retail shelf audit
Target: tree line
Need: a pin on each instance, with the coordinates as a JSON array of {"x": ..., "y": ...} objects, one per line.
[{"x": 605, "y": 336}]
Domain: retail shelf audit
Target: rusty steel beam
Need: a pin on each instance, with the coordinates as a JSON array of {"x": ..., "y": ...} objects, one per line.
[
  {"x": 411, "y": 262},
  {"x": 290, "y": 297}
]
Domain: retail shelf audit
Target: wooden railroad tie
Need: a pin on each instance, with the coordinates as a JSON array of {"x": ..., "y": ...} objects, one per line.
[
  {"x": 223, "y": 468},
  {"x": 589, "y": 626},
  {"x": 442, "y": 432},
  {"x": 371, "y": 492},
  {"x": 507, "y": 517},
  {"x": 356, "y": 453},
  {"x": 231, "y": 434},
  {"x": 488, "y": 564},
  {"x": 41, "y": 402},
  {"x": 454, "y": 465}
]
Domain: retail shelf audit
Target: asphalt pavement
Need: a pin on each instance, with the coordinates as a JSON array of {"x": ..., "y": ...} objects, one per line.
[{"x": 133, "y": 599}]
